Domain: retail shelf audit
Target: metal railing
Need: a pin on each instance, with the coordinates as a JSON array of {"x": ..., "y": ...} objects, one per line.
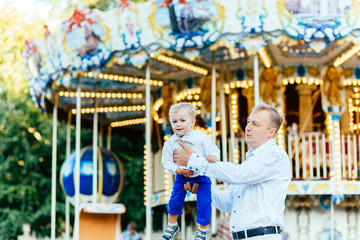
[{"x": 310, "y": 155}]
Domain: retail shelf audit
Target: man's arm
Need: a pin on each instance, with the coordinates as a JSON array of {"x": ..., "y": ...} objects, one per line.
[
  {"x": 258, "y": 169},
  {"x": 222, "y": 199}
]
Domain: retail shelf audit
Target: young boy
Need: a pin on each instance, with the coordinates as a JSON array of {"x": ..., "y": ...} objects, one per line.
[{"x": 182, "y": 119}]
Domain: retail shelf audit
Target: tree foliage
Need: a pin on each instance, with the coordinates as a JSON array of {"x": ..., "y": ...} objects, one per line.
[{"x": 25, "y": 140}]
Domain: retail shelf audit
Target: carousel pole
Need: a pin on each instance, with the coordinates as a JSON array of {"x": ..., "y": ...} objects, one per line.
[
  {"x": 108, "y": 145},
  {"x": 213, "y": 127},
  {"x": 101, "y": 137},
  {"x": 232, "y": 136},
  {"x": 332, "y": 219},
  {"x": 53, "y": 170},
  {"x": 95, "y": 146},
  {"x": 67, "y": 200},
  {"x": 77, "y": 161},
  {"x": 223, "y": 124},
  {"x": 336, "y": 166},
  {"x": 256, "y": 79},
  {"x": 148, "y": 153},
  {"x": 223, "y": 120}
]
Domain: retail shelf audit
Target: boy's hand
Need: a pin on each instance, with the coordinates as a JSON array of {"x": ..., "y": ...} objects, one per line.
[
  {"x": 185, "y": 172},
  {"x": 211, "y": 158}
]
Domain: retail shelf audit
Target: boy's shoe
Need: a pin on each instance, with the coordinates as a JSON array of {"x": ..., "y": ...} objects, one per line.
[
  {"x": 200, "y": 235},
  {"x": 170, "y": 232}
]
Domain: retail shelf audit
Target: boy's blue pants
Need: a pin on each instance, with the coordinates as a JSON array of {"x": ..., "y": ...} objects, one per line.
[{"x": 203, "y": 202}]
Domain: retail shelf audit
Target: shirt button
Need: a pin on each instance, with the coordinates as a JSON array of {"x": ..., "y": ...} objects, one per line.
[
  {"x": 190, "y": 167},
  {"x": 203, "y": 172},
  {"x": 234, "y": 211},
  {"x": 233, "y": 226},
  {"x": 196, "y": 169},
  {"x": 197, "y": 156},
  {"x": 239, "y": 196}
]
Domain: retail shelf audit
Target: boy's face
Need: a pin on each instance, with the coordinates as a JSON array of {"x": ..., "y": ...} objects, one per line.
[{"x": 182, "y": 122}]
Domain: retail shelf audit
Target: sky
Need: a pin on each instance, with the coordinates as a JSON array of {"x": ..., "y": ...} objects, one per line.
[{"x": 29, "y": 7}]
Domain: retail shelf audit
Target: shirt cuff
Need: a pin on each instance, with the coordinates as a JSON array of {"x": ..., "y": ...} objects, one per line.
[
  {"x": 173, "y": 170},
  {"x": 196, "y": 163}
]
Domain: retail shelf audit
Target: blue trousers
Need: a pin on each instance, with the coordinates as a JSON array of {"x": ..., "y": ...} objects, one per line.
[{"x": 203, "y": 202}]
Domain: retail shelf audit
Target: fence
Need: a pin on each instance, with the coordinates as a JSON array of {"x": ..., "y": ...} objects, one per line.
[{"x": 310, "y": 155}]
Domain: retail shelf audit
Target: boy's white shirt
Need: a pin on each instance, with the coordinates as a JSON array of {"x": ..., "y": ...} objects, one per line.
[{"x": 199, "y": 142}]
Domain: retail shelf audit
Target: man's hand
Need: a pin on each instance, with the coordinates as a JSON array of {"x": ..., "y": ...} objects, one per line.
[
  {"x": 211, "y": 158},
  {"x": 193, "y": 189},
  {"x": 185, "y": 172},
  {"x": 181, "y": 157}
]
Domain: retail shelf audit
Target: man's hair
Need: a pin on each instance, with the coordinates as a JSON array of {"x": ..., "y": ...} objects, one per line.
[
  {"x": 276, "y": 117},
  {"x": 183, "y": 105}
]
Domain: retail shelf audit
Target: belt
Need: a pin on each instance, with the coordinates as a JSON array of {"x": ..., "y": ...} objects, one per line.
[{"x": 256, "y": 232}]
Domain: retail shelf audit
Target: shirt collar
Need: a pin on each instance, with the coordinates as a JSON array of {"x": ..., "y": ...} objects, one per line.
[
  {"x": 261, "y": 148},
  {"x": 188, "y": 134}
]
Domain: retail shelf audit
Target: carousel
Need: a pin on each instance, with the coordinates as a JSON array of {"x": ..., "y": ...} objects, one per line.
[{"x": 120, "y": 71}]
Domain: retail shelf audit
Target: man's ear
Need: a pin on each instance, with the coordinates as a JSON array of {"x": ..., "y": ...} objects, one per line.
[{"x": 272, "y": 132}]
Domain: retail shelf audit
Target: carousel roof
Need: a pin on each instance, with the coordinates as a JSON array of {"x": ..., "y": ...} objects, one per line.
[{"x": 181, "y": 40}]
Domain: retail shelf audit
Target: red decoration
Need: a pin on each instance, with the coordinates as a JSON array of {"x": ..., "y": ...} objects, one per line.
[{"x": 77, "y": 18}]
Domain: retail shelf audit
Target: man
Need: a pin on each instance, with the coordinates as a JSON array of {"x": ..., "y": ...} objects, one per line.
[
  {"x": 131, "y": 233},
  {"x": 256, "y": 196}
]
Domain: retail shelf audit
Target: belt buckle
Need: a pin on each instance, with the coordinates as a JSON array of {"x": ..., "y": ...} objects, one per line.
[{"x": 261, "y": 231}]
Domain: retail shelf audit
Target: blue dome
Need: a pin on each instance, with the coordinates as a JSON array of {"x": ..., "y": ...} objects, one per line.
[{"x": 110, "y": 175}]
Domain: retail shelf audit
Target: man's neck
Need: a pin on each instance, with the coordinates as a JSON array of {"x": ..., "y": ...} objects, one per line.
[{"x": 257, "y": 146}]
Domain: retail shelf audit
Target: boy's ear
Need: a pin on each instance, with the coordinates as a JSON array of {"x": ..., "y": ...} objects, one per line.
[{"x": 193, "y": 121}]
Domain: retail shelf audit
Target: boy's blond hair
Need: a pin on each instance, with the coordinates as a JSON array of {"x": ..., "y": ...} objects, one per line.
[{"x": 183, "y": 105}]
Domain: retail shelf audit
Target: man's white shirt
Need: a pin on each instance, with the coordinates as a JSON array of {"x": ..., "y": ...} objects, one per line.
[{"x": 256, "y": 196}]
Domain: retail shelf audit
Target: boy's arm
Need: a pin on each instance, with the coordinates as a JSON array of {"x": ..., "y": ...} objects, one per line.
[{"x": 167, "y": 159}]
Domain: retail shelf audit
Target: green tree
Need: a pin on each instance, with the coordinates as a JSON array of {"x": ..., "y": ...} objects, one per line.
[{"x": 25, "y": 143}]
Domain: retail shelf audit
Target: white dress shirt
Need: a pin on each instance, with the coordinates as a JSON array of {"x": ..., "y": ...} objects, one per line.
[
  {"x": 199, "y": 142},
  {"x": 256, "y": 196}
]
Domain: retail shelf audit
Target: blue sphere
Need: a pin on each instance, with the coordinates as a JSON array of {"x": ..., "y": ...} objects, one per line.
[{"x": 110, "y": 176}]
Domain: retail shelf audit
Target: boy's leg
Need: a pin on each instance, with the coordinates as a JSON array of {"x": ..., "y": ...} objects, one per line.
[
  {"x": 203, "y": 207},
  {"x": 173, "y": 218},
  {"x": 204, "y": 201},
  {"x": 175, "y": 206},
  {"x": 177, "y": 198}
]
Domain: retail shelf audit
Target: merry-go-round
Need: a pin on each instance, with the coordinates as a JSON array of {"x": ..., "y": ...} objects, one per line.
[{"x": 123, "y": 68}]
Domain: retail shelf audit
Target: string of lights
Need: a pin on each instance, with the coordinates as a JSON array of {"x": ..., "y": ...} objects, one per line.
[
  {"x": 347, "y": 55},
  {"x": 120, "y": 78},
  {"x": 100, "y": 95},
  {"x": 128, "y": 122},
  {"x": 264, "y": 56},
  {"x": 178, "y": 63},
  {"x": 111, "y": 109}
]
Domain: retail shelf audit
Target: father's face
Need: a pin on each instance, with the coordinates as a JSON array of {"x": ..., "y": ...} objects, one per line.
[{"x": 259, "y": 128}]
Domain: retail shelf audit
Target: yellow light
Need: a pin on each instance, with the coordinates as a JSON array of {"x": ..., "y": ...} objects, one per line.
[
  {"x": 180, "y": 64},
  {"x": 347, "y": 55},
  {"x": 124, "y": 79},
  {"x": 264, "y": 57},
  {"x": 101, "y": 95},
  {"x": 113, "y": 109}
]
